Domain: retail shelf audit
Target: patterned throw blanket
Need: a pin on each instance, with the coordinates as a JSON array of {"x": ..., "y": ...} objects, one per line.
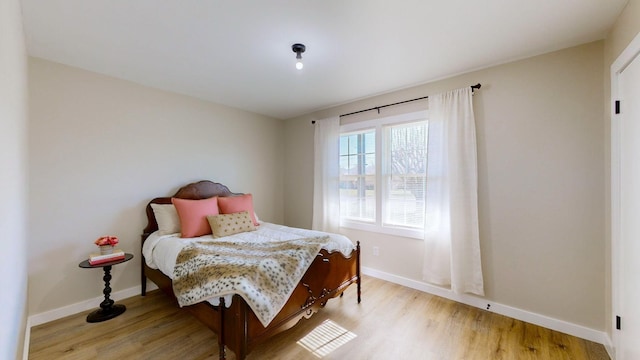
[{"x": 264, "y": 274}]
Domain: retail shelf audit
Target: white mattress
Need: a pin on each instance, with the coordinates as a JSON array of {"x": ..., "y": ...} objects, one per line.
[{"x": 160, "y": 251}]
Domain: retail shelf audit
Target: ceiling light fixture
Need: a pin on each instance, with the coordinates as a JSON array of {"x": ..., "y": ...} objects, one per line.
[{"x": 298, "y": 49}]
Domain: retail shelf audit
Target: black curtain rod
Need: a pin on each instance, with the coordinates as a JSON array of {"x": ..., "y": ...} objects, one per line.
[{"x": 473, "y": 88}]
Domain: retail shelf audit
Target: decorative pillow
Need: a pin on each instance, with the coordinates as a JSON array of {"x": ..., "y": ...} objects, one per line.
[
  {"x": 167, "y": 218},
  {"x": 229, "y": 224},
  {"x": 234, "y": 204},
  {"x": 193, "y": 215}
]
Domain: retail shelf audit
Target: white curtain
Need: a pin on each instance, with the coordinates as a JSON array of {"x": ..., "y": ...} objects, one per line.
[
  {"x": 326, "y": 176},
  {"x": 452, "y": 244}
]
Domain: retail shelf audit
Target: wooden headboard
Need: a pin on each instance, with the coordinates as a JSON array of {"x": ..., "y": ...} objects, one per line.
[{"x": 195, "y": 191}]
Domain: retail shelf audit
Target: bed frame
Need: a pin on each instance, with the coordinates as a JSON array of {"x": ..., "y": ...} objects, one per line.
[{"x": 237, "y": 327}]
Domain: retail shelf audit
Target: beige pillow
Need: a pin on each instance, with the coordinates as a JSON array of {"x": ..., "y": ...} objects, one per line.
[
  {"x": 167, "y": 218},
  {"x": 229, "y": 224}
]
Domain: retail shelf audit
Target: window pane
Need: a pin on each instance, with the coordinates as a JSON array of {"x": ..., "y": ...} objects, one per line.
[
  {"x": 370, "y": 161},
  {"x": 406, "y": 182},
  {"x": 405, "y": 201},
  {"x": 357, "y": 198},
  {"x": 353, "y": 165},
  {"x": 344, "y": 165},
  {"x": 370, "y": 142},
  {"x": 344, "y": 145},
  {"x": 357, "y": 176},
  {"x": 408, "y": 149},
  {"x": 353, "y": 144}
]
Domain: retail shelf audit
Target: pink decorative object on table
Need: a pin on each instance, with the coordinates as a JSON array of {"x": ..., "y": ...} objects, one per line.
[{"x": 106, "y": 244}]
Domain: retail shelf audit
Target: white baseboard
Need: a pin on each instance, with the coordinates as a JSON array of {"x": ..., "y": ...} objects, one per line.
[
  {"x": 27, "y": 340},
  {"x": 59, "y": 313},
  {"x": 478, "y": 302},
  {"x": 55, "y": 314},
  {"x": 482, "y": 303},
  {"x": 608, "y": 345}
]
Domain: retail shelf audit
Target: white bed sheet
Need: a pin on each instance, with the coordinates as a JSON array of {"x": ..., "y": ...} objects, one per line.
[{"x": 160, "y": 251}]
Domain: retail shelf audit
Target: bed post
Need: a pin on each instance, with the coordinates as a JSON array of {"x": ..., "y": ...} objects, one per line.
[
  {"x": 143, "y": 275},
  {"x": 221, "y": 333},
  {"x": 143, "y": 281},
  {"x": 358, "y": 269}
]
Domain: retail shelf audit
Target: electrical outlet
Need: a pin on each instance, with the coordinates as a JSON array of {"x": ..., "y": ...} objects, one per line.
[{"x": 376, "y": 251}]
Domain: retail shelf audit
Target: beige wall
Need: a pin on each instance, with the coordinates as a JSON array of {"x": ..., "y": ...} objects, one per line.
[
  {"x": 625, "y": 29},
  {"x": 541, "y": 180},
  {"x": 100, "y": 148},
  {"x": 542, "y": 148},
  {"x": 13, "y": 180}
]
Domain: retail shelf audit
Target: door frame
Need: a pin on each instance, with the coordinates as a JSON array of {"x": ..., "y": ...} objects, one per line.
[{"x": 624, "y": 59}]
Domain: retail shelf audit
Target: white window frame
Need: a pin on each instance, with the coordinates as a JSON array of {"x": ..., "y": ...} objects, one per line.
[{"x": 379, "y": 124}]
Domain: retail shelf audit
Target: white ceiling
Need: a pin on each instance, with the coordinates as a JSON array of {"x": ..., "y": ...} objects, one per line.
[{"x": 238, "y": 52}]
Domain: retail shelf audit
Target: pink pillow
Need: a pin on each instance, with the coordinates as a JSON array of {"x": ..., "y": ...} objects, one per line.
[
  {"x": 193, "y": 215},
  {"x": 234, "y": 204}
]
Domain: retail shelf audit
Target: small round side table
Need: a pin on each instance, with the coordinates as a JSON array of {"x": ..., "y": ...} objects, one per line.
[{"x": 108, "y": 310}]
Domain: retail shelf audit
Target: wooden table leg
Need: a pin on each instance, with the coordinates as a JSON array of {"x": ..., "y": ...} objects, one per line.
[{"x": 107, "y": 308}]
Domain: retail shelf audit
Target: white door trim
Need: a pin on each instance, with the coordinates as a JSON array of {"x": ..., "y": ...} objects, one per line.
[{"x": 625, "y": 58}]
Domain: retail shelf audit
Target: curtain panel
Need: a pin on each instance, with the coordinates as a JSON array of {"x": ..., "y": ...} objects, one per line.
[
  {"x": 326, "y": 175},
  {"x": 452, "y": 243}
]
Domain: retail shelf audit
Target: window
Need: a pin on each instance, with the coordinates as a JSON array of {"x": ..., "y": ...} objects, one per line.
[{"x": 383, "y": 174}]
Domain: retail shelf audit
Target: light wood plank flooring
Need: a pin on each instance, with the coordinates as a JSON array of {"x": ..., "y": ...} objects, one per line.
[{"x": 392, "y": 322}]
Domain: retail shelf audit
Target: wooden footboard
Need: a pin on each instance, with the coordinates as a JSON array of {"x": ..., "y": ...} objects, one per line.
[{"x": 238, "y": 328}]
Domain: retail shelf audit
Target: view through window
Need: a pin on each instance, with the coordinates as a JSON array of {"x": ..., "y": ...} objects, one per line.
[{"x": 383, "y": 174}]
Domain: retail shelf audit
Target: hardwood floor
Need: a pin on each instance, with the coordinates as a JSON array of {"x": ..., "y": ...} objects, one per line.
[{"x": 392, "y": 322}]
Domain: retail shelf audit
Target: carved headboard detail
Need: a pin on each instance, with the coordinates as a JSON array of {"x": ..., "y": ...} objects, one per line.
[{"x": 203, "y": 189}]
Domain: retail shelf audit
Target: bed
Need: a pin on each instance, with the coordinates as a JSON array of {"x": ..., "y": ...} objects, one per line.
[{"x": 236, "y": 325}]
